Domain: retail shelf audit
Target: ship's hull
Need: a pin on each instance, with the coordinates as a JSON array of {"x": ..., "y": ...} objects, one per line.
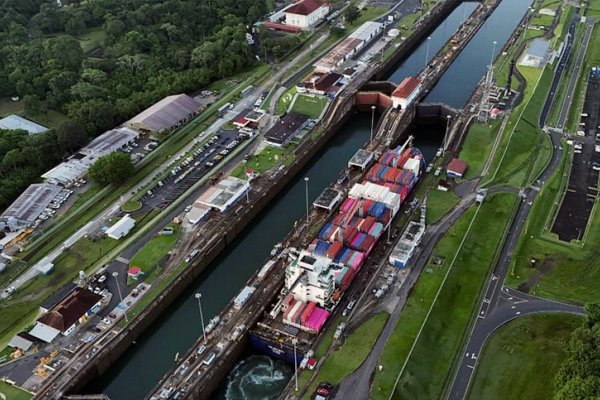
[{"x": 275, "y": 349}]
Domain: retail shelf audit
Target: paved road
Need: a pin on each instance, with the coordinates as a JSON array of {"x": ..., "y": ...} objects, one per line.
[
  {"x": 501, "y": 304},
  {"x": 570, "y": 94},
  {"x": 358, "y": 384},
  {"x": 564, "y": 58}
]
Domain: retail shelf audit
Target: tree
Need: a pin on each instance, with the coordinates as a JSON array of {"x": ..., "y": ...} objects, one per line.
[
  {"x": 112, "y": 168},
  {"x": 33, "y": 105},
  {"x": 351, "y": 14},
  {"x": 71, "y": 136},
  {"x": 75, "y": 25}
]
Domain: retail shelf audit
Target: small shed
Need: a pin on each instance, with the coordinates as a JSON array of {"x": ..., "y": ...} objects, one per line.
[
  {"x": 134, "y": 272},
  {"x": 456, "y": 168}
]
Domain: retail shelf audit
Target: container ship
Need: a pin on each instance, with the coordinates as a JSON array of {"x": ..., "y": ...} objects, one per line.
[{"x": 317, "y": 276}]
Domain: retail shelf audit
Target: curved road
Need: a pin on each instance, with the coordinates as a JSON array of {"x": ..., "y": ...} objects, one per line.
[{"x": 502, "y": 304}]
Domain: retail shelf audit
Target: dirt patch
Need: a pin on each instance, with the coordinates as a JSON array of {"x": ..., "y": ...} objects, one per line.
[{"x": 547, "y": 266}]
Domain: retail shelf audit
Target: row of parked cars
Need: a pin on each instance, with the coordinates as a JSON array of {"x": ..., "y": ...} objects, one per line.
[{"x": 55, "y": 204}]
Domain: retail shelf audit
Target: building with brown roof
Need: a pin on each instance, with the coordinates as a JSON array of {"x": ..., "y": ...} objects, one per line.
[
  {"x": 406, "y": 92},
  {"x": 76, "y": 308},
  {"x": 306, "y": 13}
]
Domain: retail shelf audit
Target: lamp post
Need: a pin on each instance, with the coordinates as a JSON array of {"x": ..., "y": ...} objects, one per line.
[
  {"x": 295, "y": 342},
  {"x": 115, "y": 275},
  {"x": 493, "y": 51},
  {"x": 372, "y": 123},
  {"x": 448, "y": 118},
  {"x": 306, "y": 179},
  {"x": 427, "y": 52},
  {"x": 198, "y": 297}
]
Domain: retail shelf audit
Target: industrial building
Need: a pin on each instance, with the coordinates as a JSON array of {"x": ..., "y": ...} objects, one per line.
[
  {"x": 306, "y": 13},
  {"x": 76, "y": 308},
  {"x": 14, "y": 122},
  {"x": 224, "y": 193},
  {"x": 166, "y": 114},
  {"x": 537, "y": 54},
  {"x": 406, "y": 92},
  {"x": 77, "y": 166},
  {"x": 121, "y": 228},
  {"x": 26, "y": 209},
  {"x": 286, "y": 128},
  {"x": 349, "y": 47}
]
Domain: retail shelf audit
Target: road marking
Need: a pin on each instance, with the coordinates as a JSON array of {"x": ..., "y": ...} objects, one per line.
[{"x": 471, "y": 366}]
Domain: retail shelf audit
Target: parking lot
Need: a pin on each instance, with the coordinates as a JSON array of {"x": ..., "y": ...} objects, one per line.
[
  {"x": 189, "y": 170},
  {"x": 582, "y": 189}
]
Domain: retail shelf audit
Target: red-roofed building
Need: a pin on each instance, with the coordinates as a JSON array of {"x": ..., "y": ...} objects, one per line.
[
  {"x": 306, "y": 13},
  {"x": 456, "y": 168},
  {"x": 240, "y": 122},
  {"x": 406, "y": 92},
  {"x": 283, "y": 27},
  {"x": 134, "y": 272}
]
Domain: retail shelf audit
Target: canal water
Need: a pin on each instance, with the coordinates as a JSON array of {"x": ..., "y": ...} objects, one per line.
[{"x": 257, "y": 376}]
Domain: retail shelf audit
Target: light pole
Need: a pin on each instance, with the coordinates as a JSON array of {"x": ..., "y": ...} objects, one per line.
[
  {"x": 448, "y": 117},
  {"x": 306, "y": 179},
  {"x": 372, "y": 123},
  {"x": 295, "y": 342},
  {"x": 493, "y": 51},
  {"x": 198, "y": 297},
  {"x": 115, "y": 275},
  {"x": 427, "y": 52}
]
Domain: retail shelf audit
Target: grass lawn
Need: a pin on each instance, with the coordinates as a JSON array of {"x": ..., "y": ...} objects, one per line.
[
  {"x": 511, "y": 362},
  {"x": 539, "y": 19},
  {"x": 351, "y": 354},
  {"x": 285, "y": 100},
  {"x": 51, "y": 118},
  {"x": 92, "y": 38},
  {"x": 131, "y": 205},
  {"x": 7, "y": 106},
  {"x": 438, "y": 204},
  {"x": 311, "y": 106},
  {"x": 527, "y": 148},
  {"x": 443, "y": 331},
  {"x": 265, "y": 160},
  {"x": 12, "y": 392},
  {"x": 398, "y": 346},
  {"x": 594, "y": 8},
  {"x": 477, "y": 145},
  {"x": 155, "y": 250}
]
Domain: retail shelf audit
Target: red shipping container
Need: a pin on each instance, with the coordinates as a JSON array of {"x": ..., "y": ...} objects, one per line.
[
  {"x": 367, "y": 244},
  {"x": 334, "y": 249},
  {"x": 369, "y": 221},
  {"x": 347, "y": 279},
  {"x": 338, "y": 218},
  {"x": 387, "y": 215}
]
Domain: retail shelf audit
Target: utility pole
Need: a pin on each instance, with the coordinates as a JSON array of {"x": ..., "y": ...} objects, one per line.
[
  {"x": 198, "y": 297},
  {"x": 295, "y": 342},
  {"x": 115, "y": 275},
  {"x": 372, "y": 123},
  {"x": 427, "y": 52},
  {"x": 306, "y": 179}
]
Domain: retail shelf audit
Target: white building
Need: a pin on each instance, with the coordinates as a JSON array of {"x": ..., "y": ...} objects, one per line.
[
  {"x": 13, "y": 122},
  {"x": 406, "y": 92},
  {"x": 306, "y": 13},
  {"x": 224, "y": 193},
  {"x": 121, "y": 228}
]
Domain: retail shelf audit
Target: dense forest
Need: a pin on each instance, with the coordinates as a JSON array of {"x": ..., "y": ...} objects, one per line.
[{"x": 151, "y": 49}]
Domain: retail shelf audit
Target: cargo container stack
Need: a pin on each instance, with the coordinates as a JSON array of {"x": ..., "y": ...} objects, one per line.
[{"x": 346, "y": 240}]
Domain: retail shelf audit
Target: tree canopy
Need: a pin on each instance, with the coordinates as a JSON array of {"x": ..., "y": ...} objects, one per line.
[
  {"x": 579, "y": 375},
  {"x": 145, "y": 50},
  {"x": 112, "y": 168}
]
